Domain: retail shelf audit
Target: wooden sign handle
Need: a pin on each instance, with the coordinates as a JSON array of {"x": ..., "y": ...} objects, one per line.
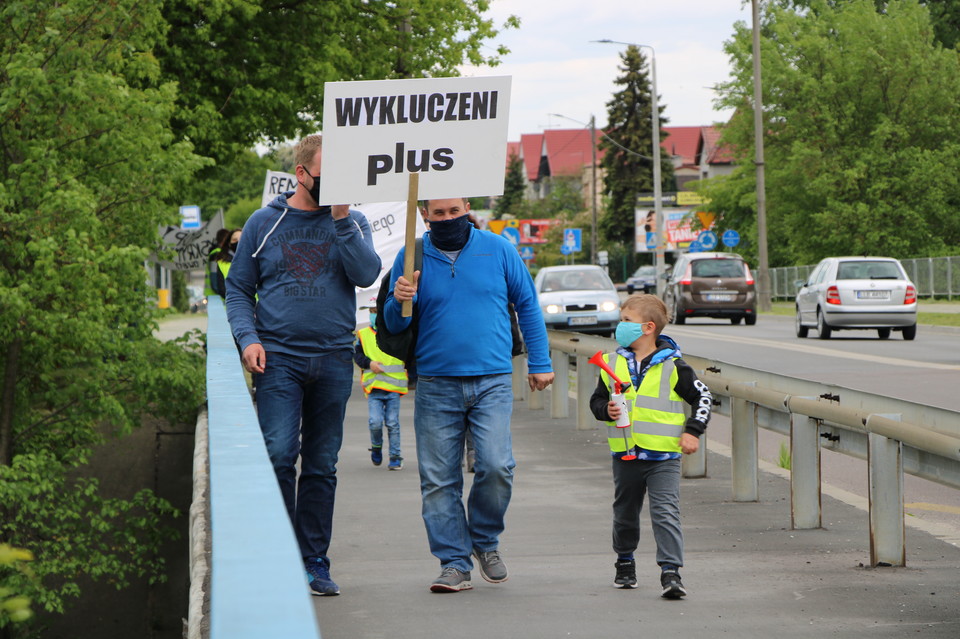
[{"x": 410, "y": 240}]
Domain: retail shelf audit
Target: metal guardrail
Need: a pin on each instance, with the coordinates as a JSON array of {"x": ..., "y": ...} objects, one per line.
[
  {"x": 258, "y": 587},
  {"x": 933, "y": 277},
  {"x": 893, "y": 436}
]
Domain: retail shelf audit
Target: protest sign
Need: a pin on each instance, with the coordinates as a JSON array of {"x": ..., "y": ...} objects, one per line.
[
  {"x": 192, "y": 247},
  {"x": 277, "y": 182},
  {"x": 451, "y": 131}
]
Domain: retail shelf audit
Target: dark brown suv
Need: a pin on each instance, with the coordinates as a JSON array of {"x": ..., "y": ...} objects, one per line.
[{"x": 711, "y": 285}]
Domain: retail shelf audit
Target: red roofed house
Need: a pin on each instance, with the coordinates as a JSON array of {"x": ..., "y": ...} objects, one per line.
[
  {"x": 680, "y": 143},
  {"x": 530, "y": 144},
  {"x": 713, "y": 159},
  {"x": 513, "y": 148},
  {"x": 567, "y": 153}
]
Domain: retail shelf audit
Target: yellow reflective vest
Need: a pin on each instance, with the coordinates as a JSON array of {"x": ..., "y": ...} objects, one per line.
[
  {"x": 394, "y": 375},
  {"x": 656, "y": 410}
]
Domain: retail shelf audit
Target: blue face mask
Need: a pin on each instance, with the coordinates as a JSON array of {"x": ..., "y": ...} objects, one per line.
[
  {"x": 628, "y": 332},
  {"x": 373, "y": 320}
]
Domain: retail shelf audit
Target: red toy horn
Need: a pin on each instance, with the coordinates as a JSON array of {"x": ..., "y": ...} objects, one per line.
[{"x": 597, "y": 360}]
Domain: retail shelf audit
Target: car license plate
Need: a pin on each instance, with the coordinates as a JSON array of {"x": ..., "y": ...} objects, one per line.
[
  {"x": 583, "y": 321},
  {"x": 719, "y": 297},
  {"x": 873, "y": 295}
]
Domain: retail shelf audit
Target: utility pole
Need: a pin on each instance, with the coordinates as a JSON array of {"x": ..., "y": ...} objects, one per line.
[
  {"x": 763, "y": 294},
  {"x": 657, "y": 187},
  {"x": 593, "y": 189}
]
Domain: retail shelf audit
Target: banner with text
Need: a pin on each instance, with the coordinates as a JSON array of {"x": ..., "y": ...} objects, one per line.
[
  {"x": 192, "y": 247},
  {"x": 277, "y": 182},
  {"x": 452, "y": 131},
  {"x": 679, "y": 230}
]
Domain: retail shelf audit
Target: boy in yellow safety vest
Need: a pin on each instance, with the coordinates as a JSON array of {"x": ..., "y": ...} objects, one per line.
[
  {"x": 384, "y": 380},
  {"x": 646, "y": 453}
]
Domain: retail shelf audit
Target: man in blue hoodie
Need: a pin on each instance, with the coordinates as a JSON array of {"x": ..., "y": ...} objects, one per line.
[
  {"x": 292, "y": 308},
  {"x": 464, "y": 366}
]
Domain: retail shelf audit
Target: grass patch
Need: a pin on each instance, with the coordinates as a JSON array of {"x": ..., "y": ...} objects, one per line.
[{"x": 784, "y": 460}]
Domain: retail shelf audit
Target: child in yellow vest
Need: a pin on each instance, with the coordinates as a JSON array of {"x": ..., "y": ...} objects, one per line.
[
  {"x": 384, "y": 381},
  {"x": 646, "y": 454}
]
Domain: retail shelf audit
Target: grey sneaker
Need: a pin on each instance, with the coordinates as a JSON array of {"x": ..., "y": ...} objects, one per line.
[
  {"x": 492, "y": 568},
  {"x": 672, "y": 586},
  {"x": 451, "y": 580},
  {"x": 626, "y": 574}
]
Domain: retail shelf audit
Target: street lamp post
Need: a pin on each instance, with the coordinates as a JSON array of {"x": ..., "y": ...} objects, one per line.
[{"x": 657, "y": 188}]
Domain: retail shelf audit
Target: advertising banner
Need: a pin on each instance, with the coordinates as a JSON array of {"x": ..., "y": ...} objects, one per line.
[{"x": 679, "y": 231}]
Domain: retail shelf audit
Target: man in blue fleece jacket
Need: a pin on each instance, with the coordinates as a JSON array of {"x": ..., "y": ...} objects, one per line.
[
  {"x": 463, "y": 356},
  {"x": 292, "y": 308}
]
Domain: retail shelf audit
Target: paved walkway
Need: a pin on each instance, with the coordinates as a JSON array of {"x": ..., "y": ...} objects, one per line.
[{"x": 748, "y": 574}]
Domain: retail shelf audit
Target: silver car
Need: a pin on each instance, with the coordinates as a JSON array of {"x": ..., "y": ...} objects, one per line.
[
  {"x": 578, "y": 298},
  {"x": 844, "y": 293}
]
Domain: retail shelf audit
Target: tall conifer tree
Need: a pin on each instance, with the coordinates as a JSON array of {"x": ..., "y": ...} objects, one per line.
[
  {"x": 628, "y": 146},
  {"x": 513, "y": 187}
]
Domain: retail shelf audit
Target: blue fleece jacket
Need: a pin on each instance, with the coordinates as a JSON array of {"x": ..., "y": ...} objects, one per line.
[
  {"x": 462, "y": 309},
  {"x": 292, "y": 281}
]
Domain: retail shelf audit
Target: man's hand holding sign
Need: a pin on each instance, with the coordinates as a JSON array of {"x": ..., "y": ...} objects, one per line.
[{"x": 448, "y": 135}]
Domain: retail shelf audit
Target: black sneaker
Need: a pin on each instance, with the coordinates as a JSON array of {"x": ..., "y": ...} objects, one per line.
[
  {"x": 318, "y": 576},
  {"x": 451, "y": 580},
  {"x": 672, "y": 586},
  {"x": 376, "y": 455},
  {"x": 626, "y": 574},
  {"x": 491, "y": 566}
]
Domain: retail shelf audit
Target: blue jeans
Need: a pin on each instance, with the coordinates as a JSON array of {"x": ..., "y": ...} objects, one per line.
[
  {"x": 301, "y": 402},
  {"x": 384, "y": 407},
  {"x": 445, "y": 407}
]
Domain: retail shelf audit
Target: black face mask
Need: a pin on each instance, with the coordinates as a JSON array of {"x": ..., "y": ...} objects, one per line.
[
  {"x": 314, "y": 190},
  {"x": 451, "y": 235},
  {"x": 233, "y": 246}
]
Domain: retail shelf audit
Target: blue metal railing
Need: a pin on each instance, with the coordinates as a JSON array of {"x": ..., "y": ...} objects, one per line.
[{"x": 258, "y": 587}]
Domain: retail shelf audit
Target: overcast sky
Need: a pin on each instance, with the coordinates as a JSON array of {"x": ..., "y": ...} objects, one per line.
[{"x": 556, "y": 69}]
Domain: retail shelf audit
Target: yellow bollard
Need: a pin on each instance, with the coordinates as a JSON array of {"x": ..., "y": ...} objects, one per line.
[{"x": 163, "y": 298}]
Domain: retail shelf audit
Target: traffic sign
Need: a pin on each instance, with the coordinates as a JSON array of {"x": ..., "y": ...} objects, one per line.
[
  {"x": 526, "y": 252},
  {"x": 707, "y": 240},
  {"x": 512, "y": 234},
  {"x": 565, "y": 250},
  {"x": 731, "y": 238},
  {"x": 694, "y": 247},
  {"x": 571, "y": 239},
  {"x": 651, "y": 240},
  {"x": 190, "y": 216}
]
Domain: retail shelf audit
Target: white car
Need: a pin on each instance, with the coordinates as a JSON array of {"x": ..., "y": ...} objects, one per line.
[
  {"x": 872, "y": 293},
  {"x": 579, "y": 298}
]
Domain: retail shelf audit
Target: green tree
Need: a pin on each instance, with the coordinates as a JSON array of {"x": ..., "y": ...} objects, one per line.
[
  {"x": 89, "y": 168},
  {"x": 863, "y": 132},
  {"x": 515, "y": 184},
  {"x": 563, "y": 202},
  {"x": 944, "y": 16},
  {"x": 245, "y": 77},
  {"x": 626, "y": 144},
  {"x": 218, "y": 187}
]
